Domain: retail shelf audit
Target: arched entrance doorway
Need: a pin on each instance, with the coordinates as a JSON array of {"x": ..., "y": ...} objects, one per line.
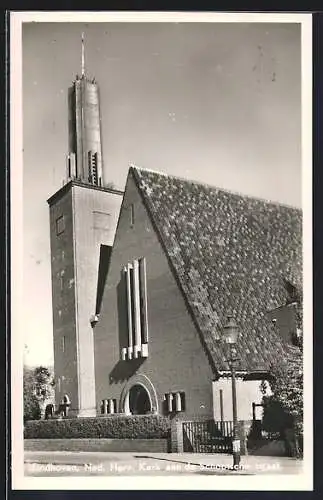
[
  {"x": 138, "y": 396},
  {"x": 139, "y": 400}
]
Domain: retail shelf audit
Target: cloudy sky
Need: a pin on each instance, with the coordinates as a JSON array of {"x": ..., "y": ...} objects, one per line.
[{"x": 219, "y": 103}]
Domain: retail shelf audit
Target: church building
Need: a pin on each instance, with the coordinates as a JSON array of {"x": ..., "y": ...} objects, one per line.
[
  {"x": 185, "y": 256},
  {"x": 143, "y": 282}
]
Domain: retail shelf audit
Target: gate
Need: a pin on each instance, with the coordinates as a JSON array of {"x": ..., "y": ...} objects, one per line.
[{"x": 208, "y": 436}]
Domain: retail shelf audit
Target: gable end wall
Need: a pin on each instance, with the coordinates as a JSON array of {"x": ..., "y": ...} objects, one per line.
[{"x": 177, "y": 361}]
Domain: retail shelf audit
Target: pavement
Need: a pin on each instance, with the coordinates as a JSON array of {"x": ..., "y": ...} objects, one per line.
[{"x": 61, "y": 463}]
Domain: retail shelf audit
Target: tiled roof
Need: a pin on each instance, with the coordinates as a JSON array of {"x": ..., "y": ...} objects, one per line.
[{"x": 230, "y": 254}]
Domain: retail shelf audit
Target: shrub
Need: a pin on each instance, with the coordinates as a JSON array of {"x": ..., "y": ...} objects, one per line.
[
  {"x": 113, "y": 427},
  {"x": 275, "y": 418},
  {"x": 31, "y": 407}
]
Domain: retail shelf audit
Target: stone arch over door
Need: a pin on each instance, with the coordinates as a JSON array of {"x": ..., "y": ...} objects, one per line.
[{"x": 146, "y": 384}]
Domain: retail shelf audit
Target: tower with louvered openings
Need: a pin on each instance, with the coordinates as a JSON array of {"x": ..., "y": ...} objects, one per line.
[{"x": 83, "y": 218}]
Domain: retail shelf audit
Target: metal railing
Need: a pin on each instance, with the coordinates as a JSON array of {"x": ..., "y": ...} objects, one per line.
[{"x": 208, "y": 436}]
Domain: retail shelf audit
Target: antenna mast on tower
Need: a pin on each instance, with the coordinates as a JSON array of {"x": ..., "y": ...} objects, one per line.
[{"x": 83, "y": 62}]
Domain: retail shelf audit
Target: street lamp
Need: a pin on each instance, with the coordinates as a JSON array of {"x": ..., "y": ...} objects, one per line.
[{"x": 231, "y": 336}]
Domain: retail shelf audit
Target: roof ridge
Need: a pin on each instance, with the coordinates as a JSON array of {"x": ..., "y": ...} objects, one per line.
[{"x": 211, "y": 186}]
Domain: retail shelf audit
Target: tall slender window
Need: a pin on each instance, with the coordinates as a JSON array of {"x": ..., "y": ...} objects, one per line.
[
  {"x": 137, "y": 312},
  {"x": 136, "y": 294},
  {"x": 143, "y": 301},
  {"x": 132, "y": 215},
  {"x": 130, "y": 308},
  {"x": 62, "y": 280},
  {"x": 68, "y": 167}
]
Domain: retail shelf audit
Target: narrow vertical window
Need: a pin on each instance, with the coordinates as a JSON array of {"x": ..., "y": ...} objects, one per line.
[
  {"x": 63, "y": 343},
  {"x": 62, "y": 280},
  {"x": 128, "y": 270},
  {"x": 169, "y": 402},
  {"x": 132, "y": 215},
  {"x": 104, "y": 406},
  {"x": 143, "y": 300},
  {"x": 182, "y": 399},
  {"x": 60, "y": 225},
  {"x": 111, "y": 406},
  {"x": 68, "y": 167},
  {"x": 136, "y": 294},
  {"x": 178, "y": 401},
  {"x": 72, "y": 165}
]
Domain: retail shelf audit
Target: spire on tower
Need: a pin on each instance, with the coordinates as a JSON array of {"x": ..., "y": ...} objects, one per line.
[{"x": 83, "y": 63}]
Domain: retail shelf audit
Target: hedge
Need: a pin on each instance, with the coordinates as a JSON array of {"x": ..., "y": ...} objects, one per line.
[{"x": 113, "y": 427}]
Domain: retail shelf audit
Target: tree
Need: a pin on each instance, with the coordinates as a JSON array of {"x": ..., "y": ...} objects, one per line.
[
  {"x": 31, "y": 405},
  {"x": 38, "y": 391},
  {"x": 44, "y": 387},
  {"x": 283, "y": 409}
]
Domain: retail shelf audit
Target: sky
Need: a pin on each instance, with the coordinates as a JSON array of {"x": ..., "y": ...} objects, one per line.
[{"x": 215, "y": 102}]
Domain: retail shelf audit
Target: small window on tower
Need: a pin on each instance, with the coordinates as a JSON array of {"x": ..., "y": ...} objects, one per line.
[
  {"x": 62, "y": 280},
  {"x": 93, "y": 168},
  {"x": 63, "y": 343},
  {"x": 60, "y": 225}
]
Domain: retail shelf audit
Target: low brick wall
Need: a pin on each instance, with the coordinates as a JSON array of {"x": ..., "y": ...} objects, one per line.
[{"x": 101, "y": 444}]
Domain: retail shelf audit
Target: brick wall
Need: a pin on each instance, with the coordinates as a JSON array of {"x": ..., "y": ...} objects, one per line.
[
  {"x": 176, "y": 361},
  {"x": 98, "y": 445},
  {"x": 90, "y": 218},
  {"x": 63, "y": 294}
]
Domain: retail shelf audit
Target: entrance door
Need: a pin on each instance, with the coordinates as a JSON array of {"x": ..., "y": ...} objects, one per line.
[{"x": 139, "y": 401}]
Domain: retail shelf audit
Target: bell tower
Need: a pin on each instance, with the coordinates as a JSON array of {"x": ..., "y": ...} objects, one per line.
[
  {"x": 84, "y": 160},
  {"x": 83, "y": 218}
]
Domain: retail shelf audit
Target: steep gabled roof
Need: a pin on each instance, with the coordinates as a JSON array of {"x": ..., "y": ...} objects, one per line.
[{"x": 231, "y": 254}]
